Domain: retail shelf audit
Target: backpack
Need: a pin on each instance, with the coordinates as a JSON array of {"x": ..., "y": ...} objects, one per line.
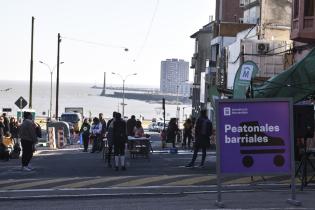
[{"x": 38, "y": 131}]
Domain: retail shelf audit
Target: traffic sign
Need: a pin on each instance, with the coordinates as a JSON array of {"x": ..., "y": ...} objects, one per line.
[{"x": 21, "y": 103}]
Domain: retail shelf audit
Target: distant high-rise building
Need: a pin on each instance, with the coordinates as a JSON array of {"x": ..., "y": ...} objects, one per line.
[{"x": 174, "y": 76}]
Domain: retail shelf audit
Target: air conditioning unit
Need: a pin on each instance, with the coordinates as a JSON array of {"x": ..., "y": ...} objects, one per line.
[{"x": 262, "y": 48}]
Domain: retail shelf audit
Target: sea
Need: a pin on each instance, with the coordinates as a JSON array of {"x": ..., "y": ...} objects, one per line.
[{"x": 82, "y": 95}]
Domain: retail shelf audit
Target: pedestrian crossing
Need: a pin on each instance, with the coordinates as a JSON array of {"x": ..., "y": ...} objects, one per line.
[{"x": 134, "y": 181}]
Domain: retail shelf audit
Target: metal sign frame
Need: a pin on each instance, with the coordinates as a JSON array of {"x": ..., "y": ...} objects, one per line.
[{"x": 289, "y": 102}]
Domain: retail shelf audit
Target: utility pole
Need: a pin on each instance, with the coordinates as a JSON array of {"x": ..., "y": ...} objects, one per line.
[
  {"x": 163, "y": 107},
  {"x": 57, "y": 83},
  {"x": 31, "y": 66}
]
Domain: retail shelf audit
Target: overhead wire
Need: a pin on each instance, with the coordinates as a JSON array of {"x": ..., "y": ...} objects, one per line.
[
  {"x": 95, "y": 43},
  {"x": 148, "y": 31}
]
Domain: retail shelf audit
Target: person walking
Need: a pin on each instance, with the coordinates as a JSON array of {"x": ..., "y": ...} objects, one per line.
[
  {"x": 187, "y": 133},
  {"x": 96, "y": 134},
  {"x": 109, "y": 137},
  {"x": 119, "y": 141},
  {"x": 103, "y": 131},
  {"x": 172, "y": 132},
  {"x": 203, "y": 132},
  {"x": 14, "y": 129},
  {"x": 85, "y": 132},
  {"x": 28, "y": 140},
  {"x": 131, "y": 123}
]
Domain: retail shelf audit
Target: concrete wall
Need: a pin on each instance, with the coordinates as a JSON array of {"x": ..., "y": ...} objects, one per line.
[
  {"x": 275, "y": 19},
  {"x": 276, "y": 12}
]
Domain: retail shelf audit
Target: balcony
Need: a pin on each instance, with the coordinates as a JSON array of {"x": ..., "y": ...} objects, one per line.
[{"x": 303, "y": 22}]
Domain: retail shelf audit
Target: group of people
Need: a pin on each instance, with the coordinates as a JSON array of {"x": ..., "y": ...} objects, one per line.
[
  {"x": 116, "y": 131},
  {"x": 200, "y": 130},
  {"x": 27, "y": 131},
  {"x": 9, "y": 127}
]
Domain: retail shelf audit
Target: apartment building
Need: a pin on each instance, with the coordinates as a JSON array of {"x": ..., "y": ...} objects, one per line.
[{"x": 174, "y": 76}]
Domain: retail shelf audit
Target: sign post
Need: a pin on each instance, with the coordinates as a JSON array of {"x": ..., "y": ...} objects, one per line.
[
  {"x": 21, "y": 103},
  {"x": 255, "y": 137}
]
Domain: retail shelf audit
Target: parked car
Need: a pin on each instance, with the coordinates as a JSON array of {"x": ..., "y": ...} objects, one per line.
[
  {"x": 160, "y": 126},
  {"x": 153, "y": 127}
]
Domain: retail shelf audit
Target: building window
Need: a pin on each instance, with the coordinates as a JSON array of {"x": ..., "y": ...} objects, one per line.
[
  {"x": 296, "y": 9},
  {"x": 309, "y": 8}
]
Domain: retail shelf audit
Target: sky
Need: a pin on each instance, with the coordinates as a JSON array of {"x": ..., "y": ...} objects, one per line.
[{"x": 94, "y": 34}]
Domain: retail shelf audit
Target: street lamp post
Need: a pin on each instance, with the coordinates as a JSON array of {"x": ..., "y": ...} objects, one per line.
[
  {"x": 51, "y": 70},
  {"x": 177, "y": 105},
  {"x": 123, "y": 90}
]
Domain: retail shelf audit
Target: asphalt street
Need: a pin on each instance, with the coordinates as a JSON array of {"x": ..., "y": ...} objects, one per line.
[
  {"x": 232, "y": 200},
  {"x": 67, "y": 176}
]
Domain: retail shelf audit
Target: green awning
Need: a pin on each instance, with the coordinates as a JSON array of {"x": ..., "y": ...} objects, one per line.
[{"x": 297, "y": 82}]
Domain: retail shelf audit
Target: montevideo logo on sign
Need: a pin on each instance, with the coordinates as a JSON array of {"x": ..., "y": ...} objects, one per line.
[{"x": 246, "y": 72}]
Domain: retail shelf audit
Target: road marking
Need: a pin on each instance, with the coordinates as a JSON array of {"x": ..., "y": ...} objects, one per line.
[
  {"x": 146, "y": 180},
  {"x": 38, "y": 183},
  {"x": 249, "y": 180},
  {"x": 243, "y": 180},
  {"x": 9, "y": 181},
  {"x": 192, "y": 181},
  {"x": 92, "y": 181}
]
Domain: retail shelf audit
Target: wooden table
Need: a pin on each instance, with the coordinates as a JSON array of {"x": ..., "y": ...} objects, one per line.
[{"x": 139, "y": 146}]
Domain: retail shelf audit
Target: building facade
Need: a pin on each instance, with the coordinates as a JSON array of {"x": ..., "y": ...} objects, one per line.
[
  {"x": 303, "y": 28},
  {"x": 266, "y": 43},
  {"x": 174, "y": 76},
  {"x": 200, "y": 63},
  {"x": 228, "y": 10},
  {"x": 257, "y": 30}
]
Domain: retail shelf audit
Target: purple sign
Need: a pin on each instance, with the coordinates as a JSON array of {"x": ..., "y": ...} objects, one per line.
[{"x": 254, "y": 136}]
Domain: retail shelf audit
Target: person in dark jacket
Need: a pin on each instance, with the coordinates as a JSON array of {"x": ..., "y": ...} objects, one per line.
[
  {"x": 131, "y": 123},
  {"x": 1, "y": 129},
  {"x": 14, "y": 129},
  {"x": 187, "y": 133},
  {"x": 119, "y": 141},
  {"x": 172, "y": 132},
  {"x": 109, "y": 137},
  {"x": 103, "y": 132},
  {"x": 6, "y": 122},
  {"x": 203, "y": 132},
  {"x": 104, "y": 126},
  {"x": 85, "y": 132},
  {"x": 28, "y": 140}
]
